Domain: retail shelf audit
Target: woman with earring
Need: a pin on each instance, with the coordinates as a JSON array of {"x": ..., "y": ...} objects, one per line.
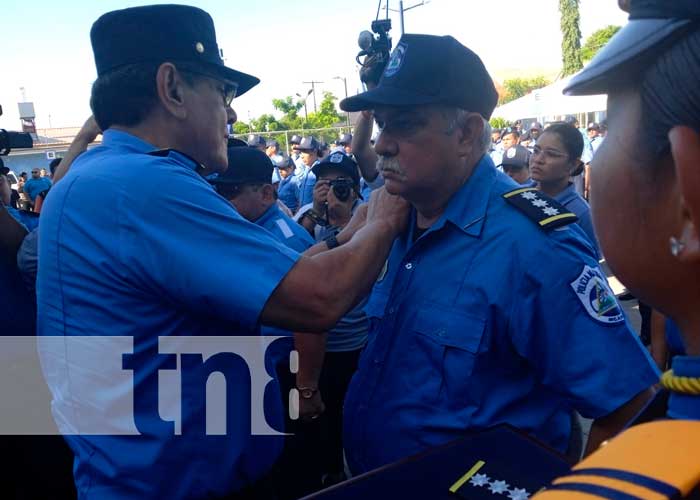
[{"x": 645, "y": 201}]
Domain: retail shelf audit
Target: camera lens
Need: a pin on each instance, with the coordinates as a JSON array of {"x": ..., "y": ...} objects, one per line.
[{"x": 342, "y": 192}]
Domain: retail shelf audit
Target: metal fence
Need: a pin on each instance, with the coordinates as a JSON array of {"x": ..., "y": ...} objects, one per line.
[{"x": 329, "y": 135}]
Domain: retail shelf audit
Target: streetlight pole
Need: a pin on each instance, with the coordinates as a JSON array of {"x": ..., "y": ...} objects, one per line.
[
  {"x": 306, "y": 114},
  {"x": 313, "y": 89},
  {"x": 345, "y": 82},
  {"x": 401, "y": 10}
]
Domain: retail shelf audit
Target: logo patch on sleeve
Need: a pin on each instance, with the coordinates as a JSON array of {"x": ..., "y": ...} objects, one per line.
[{"x": 598, "y": 299}]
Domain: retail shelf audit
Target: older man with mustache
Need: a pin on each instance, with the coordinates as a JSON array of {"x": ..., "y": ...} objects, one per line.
[{"x": 491, "y": 302}]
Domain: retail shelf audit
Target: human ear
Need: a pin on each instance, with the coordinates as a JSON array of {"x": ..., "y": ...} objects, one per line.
[
  {"x": 171, "y": 90},
  {"x": 471, "y": 129},
  {"x": 685, "y": 150}
]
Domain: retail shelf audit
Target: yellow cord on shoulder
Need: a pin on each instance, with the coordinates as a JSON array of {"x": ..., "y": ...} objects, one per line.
[{"x": 684, "y": 385}]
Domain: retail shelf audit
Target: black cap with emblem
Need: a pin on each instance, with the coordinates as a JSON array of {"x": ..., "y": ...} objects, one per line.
[
  {"x": 427, "y": 69},
  {"x": 653, "y": 26},
  {"x": 160, "y": 33}
]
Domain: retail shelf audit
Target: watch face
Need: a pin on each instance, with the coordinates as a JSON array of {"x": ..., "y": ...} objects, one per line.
[{"x": 307, "y": 393}]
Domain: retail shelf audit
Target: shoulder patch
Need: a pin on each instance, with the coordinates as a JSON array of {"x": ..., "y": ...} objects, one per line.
[
  {"x": 592, "y": 289},
  {"x": 546, "y": 212}
]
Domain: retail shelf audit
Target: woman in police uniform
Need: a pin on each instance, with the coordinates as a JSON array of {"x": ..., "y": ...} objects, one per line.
[{"x": 645, "y": 199}]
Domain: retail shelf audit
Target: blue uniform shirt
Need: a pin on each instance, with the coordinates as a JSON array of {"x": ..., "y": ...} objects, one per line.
[
  {"x": 35, "y": 186},
  {"x": 306, "y": 181},
  {"x": 685, "y": 406},
  {"x": 297, "y": 238},
  {"x": 575, "y": 203},
  {"x": 31, "y": 222},
  {"x": 487, "y": 319},
  {"x": 153, "y": 253},
  {"x": 288, "y": 193}
]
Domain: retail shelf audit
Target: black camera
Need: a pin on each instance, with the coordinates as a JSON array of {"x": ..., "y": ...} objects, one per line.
[
  {"x": 342, "y": 187},
  {"x": 10, "y": 140},
  {"x": 376, "y": 50}
]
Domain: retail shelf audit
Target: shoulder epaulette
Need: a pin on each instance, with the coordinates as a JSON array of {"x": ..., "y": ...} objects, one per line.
[
  {"x": 658, "y": 460},
  {"x": 545, "y": 211}
]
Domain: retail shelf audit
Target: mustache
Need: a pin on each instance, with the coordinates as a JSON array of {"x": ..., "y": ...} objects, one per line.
[{"x": 389, "y": 164}]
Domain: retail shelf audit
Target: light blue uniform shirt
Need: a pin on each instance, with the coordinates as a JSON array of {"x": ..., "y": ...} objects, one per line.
[
  {"x": 487, "y": 319},
  {"x": 575, "y": 203},
  {"x": 297, "y": 238},
  {"x": 155, "y": 253},
  {"x": 306, "y": 181},
  {"x": 35, "y": 186},
  {"x": 288, "y": 193}
]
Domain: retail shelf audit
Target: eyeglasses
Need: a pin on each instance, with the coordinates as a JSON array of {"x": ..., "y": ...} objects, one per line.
[
  {"x": 549, "y": 154},
  {"x": 228, "y": 90}
]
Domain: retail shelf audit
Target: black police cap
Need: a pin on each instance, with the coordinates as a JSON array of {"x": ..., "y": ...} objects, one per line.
[
  {"x": 344, "y": 140},
  {"x": 515, "y": 157},
  {"x": 308, "y": 144},
  {"x": 255, "y": 140},
  {"x": 296, "y": 139},
  {"x": 341, "y": 162},
  {"x": 653, "y": 26},
  {"x": 160, "y": 33},
  {"x": 246, "y": 166},
  {"x": 427, "y": 69}
]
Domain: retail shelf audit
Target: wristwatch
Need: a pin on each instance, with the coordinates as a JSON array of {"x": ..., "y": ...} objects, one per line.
[
  {"x": 307, "y": 392},
  {"x": 315, "y": 216}
]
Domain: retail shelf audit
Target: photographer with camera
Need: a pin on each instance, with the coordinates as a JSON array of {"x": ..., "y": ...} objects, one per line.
[{"x": 336, "y": 198}]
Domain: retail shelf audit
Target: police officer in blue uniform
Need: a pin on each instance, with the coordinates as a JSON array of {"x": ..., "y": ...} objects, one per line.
[
  {"x": 644, "y": 196},
  {"x": 308, "y": 149},
  {"x": 136, "y": 245},
  {"x": 491, "y": 302}
]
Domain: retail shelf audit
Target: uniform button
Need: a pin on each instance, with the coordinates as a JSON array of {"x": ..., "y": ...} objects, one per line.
[
  {"x": 409, "y": 266},
  {"x": 376, "y": 361},
  {"x": 392, "y": 310}
]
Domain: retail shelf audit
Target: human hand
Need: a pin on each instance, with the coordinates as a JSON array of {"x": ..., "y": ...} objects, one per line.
[
  {"x": 388, "y": 209},
  {"x": 90, "y": 130},
  {"x": 356, "y": 223},
  {"x": 320, "y": 195}
]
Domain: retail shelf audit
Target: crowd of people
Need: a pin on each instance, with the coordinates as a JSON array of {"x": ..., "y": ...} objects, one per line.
[{"x": 440, "y": 279}]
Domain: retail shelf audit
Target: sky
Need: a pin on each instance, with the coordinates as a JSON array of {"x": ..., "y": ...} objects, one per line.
[{"x": 46, "y": 45}]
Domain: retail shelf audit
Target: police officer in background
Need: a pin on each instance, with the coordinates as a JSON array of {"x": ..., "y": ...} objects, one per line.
[
  {"x": 515, "y": 164},
  {"x": 156, "y": 252},
  {"x": 485, "y": 314},
  {"x": 256, "y": 141},
  {"x": 345, "y": 142},
  {"x": 308, "y": 149},
  {"x": 645, "y": 206}
]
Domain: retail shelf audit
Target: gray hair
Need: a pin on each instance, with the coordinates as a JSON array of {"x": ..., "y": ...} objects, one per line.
[{"x": 456, "y": 118}]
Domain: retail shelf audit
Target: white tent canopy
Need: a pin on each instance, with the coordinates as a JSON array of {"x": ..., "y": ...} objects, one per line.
[{"x": 550, "y": 102}]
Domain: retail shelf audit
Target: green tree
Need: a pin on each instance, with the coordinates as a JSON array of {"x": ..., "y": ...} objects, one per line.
[
  {"x": 499, "y": 123},
  {"x": 571, "y": 37},
  {"x": 597, "y": 41},
  {"x": 241, "y": 128},
  {"x": 518, "y": 87}
]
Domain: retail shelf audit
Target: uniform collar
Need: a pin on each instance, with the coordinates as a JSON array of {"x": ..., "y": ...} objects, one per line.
[
  {"x": 272, "y": 211},
  {"x": 119, "y": 139},
  {"x": 466, "y": 210},
  {"x": 567, "y": 195}
]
